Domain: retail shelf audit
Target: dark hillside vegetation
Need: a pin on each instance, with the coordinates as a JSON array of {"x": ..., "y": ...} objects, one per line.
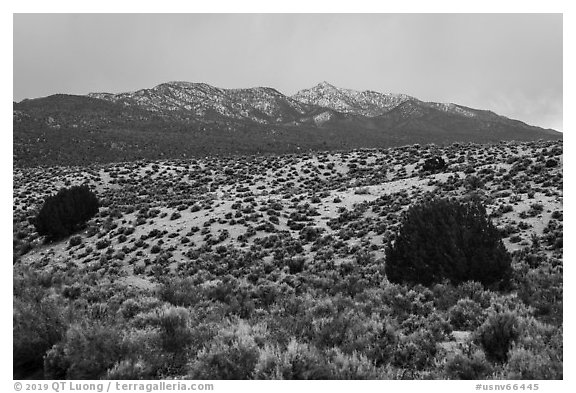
[{"x": 80, "y": 130}]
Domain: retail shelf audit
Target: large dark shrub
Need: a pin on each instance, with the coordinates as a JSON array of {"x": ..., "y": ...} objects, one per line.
[
  {"x": 64, "y": 212},
  {"x": 444, "y": 239}
]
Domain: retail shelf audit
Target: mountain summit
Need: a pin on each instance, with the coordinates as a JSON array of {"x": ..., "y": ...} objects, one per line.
[
  {"x": 365, "y": 103},
  {"x": 265, "y": 105},
  {"x": 183, "y": 119}
]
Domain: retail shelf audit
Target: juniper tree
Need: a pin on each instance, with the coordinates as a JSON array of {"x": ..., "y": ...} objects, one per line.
[
  {"x": 444, "y": 239},
  {"x": 63, "y": 213}
]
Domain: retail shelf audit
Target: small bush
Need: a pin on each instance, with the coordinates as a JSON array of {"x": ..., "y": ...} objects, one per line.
[
  {"x": 352, "y": 366},
  {"x": 434, "y": 164},
  {"x": 232, "y": 354},
  {"x": 497, "y": 334},
  {"x": 38, "y": 324},
  {"x": 86, "y": 352},
  {"x": 296, "y": 264},
  {"x": 75, "y": 241},
  {"x": 174, "y": 333},
  {"x": 102, "y": 243},
  {"x": 551, "y": 163},
  {"x": 297, "y": 362},
  {"x": 129, "y": 370},
  {"x": 179, "y": 292},
  {"x": 537, "y": 354},
  {"x": 526, "y": 364},
  {"x": 466, "y": 314},
  {"x": 415, "y": 351},
  {"x": 473, "y": 182},
  {"x": 471, "y": 366}
]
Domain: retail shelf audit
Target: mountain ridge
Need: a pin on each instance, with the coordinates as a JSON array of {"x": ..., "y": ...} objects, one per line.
[
  {"x": 369, "y": 103},
  {"x": 186, "y": 119}
]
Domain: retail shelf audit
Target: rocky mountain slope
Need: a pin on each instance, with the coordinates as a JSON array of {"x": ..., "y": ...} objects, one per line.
[
  {"x": 365, "y": 103},
  {"x": 182, "y": 119},
  {"x": 261, "y": 104}
]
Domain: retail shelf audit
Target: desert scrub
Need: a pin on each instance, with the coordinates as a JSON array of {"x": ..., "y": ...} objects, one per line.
[
  {"x": 469, "y": 365},
  {"x": 466, "y": 314},
  {"x": 86, "y": 352},
  {"x": 38, "y": 320},
  {"x": 179, "y": 292},
  {"x": 102, "y": 243},
  {"x": 537, "y": 354},
  {"x": 497, "y": 334},
  {"x": 232, "y": 354}
]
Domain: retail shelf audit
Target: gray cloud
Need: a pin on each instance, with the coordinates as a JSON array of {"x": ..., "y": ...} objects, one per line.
[{"x": 508, "y": 63}]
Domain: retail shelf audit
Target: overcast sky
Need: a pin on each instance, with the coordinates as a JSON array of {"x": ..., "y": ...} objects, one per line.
[{"x": 508, "y": 63}]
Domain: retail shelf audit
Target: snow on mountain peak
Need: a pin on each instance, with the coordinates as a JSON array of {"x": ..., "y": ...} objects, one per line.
[
  {"x": 260, "y": 104},
  {"x": 366, "y": 103},
  {"x": 267, "y": 105}
]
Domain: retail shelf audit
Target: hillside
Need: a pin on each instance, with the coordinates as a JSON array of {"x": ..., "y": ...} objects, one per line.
[{"x": 273, "y": 267}]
